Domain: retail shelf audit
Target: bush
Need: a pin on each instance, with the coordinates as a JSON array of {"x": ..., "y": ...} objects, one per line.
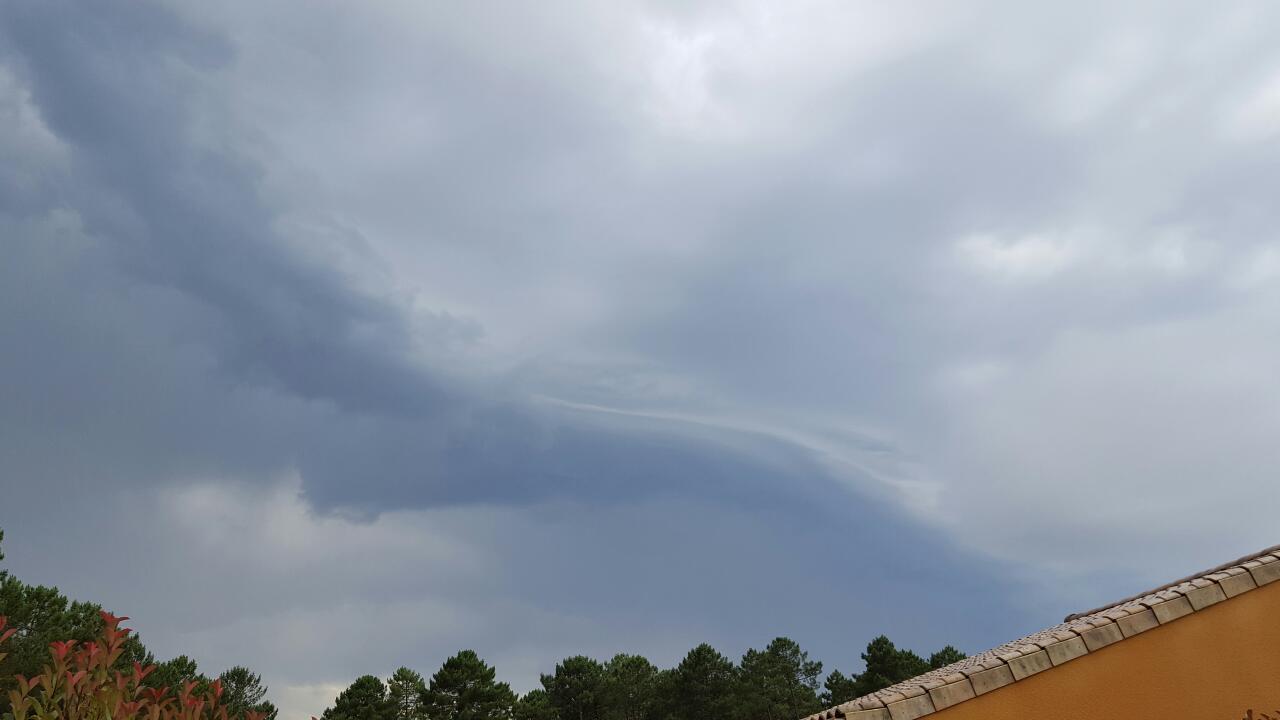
[{"x": 82, "y": 682}]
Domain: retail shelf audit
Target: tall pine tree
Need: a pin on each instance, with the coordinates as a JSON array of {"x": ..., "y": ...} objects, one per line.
[
  {"x": 778, "y": 683},
  {"x": 406, "y": 691},
  {"x": 629, "y": 688},
  {"x": 364, "y": 699},
  {"x": 464, "y": 688},
  {"x": 243, "y": 691},
  {"x": 576, "y": 688},
  {"x": 700, "y": 687},
  {"x": 534, "y": 705}
]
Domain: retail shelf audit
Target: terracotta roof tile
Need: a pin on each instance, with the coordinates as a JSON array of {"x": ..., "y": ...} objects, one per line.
[
  {"x": 1205, "y": 595},
  {"x": 911, "y": 708},
  {"x": 1266, "y": 572},
  {"x": 1233, "y": 585},
  {"x": 989, "y": 680},
  {"x": 952, "y": 693},
  {"x": 1066, "y": 650},
  {"x": 1028, "y": 665},
  {"x": 1138, "y": 623},
  {"x": 1171, "y": 610}
]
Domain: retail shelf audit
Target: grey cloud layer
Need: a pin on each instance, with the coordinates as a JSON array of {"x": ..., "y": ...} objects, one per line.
[{"x": 185, "y": 359}]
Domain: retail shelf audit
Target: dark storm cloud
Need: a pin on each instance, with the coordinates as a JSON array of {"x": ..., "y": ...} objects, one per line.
[
  {"x": 181, "y": 211},
  {"x": 177, "y": 218},
  {"x": 299, "y": 369}
]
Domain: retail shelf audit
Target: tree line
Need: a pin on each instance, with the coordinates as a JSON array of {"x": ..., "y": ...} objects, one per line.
[
  {"x": 779, "y": 682},
  {"x": 42, "y": 615}
]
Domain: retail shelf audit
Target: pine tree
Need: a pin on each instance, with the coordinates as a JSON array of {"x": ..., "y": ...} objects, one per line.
[
  {"x": 700, "y": 687},
  {"x": 575, "y": 689},
  {"x": 778, "y": 683},
  {"x": 406, "y": 690},
  {"x": 945, "y": 657},
  {"x": 464, "y": 689},
  {"x": 629, "y": 688},
  {"x": 535, "y": 705},
  {"x": 838, "y": 689},
  {"x": 887, "y": 665},
  {"x": 365, "y": 699},
  {"x": 243, "y": 691}
]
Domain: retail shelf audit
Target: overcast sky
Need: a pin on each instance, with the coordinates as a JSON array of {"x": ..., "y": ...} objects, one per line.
[{"x": 340, "y": 336}]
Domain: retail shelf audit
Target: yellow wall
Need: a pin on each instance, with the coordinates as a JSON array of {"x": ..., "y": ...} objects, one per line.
[{"x": 1210, "y": 665}]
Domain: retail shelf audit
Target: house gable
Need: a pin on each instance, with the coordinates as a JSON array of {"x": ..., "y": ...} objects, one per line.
[{"x": 1187, "y": 629}]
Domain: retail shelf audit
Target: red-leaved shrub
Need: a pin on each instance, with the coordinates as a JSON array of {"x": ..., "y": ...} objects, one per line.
[{"x": 81, "y": 682}]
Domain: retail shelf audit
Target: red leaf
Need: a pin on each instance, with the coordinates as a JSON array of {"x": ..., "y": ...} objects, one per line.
[
  {"x": 111, "y": 620},
  {"x": 60, "y": 648},
  {"x": 140, "y": 673}
]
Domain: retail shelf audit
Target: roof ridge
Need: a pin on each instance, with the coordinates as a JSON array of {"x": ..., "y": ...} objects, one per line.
[
  {"x": 1217, "y": 568},
  {"x": 1078, "y": 635}
]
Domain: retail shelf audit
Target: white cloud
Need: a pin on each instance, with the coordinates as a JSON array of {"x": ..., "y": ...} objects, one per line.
[
  {"x": 1125, "y": 449},
  {"x": 1108, "y": 74},
  {"x": 1257, "y": 271},
  {"x": 1026, "y": 258},
  {"x": 1137, "y": 255},
  {"x": 299, "y": 702},
  {"x": 1255, "y": 117}
]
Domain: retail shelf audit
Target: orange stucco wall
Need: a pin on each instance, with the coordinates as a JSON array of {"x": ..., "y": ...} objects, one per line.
[{"x": 1211, "y": 665}]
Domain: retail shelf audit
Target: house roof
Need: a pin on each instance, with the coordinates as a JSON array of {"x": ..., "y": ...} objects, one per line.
[{"x": 1078, "y": 635}]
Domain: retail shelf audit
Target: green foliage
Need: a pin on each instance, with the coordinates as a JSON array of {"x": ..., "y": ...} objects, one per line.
[
  {"x": 886, "y": 665},
  {"x": 535, "y": 705},
  {"x": 780, "y": 683},
  {"x": 40, "y": 616},
  {"x": 176, "y": 673},
  {"x": 701, "y": 686},
  {"x": 464, "y": 688},
  {"x": 945, "y": 657},
  {"x": 576, "y": 688},
  {"x": 84, "y": 681},
  {"x": 405, "y": 690},
  {"x": 838, "y": 689},
  {"x": 364, "y": 699},
  {"x": 629, "y": 689},
  {"x": 244, "y": 693},
  {"x": 777, "y": 683}
]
